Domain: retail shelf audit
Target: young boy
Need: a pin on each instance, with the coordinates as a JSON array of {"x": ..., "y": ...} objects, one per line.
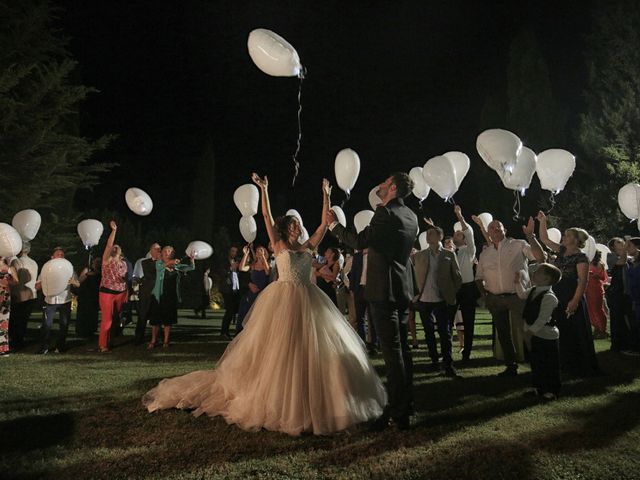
[{"x": 540, "y": 328}]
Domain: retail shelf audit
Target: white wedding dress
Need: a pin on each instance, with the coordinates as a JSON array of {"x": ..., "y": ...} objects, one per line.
[{"x": 297, "y": 366}]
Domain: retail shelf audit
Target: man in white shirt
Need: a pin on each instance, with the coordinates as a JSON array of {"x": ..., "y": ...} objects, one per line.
[
  {"x": 23, "y": 296},
  {"x": 468, "y": 293},
  {"x": 497, "y": 267},
  {"x": 56, "y": 303}
]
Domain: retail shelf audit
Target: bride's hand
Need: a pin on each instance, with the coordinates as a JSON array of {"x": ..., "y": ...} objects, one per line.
[
  {"x": 326, "y": 187},
  {"x": 261, "y": 182}
]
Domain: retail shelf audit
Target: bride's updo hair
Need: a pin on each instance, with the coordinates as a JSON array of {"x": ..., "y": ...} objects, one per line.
[{"x": 282, "y": 225}]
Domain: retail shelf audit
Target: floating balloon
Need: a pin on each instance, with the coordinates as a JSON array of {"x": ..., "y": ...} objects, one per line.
[
  {"x": 199, "y": 250},
  {"x": 554, "y": 167},
  {"x": 374, "y": 199},
  {"x": 629, "y": 200},
  {"x": 422, "y": 239},
  {"x": 499, "y": 149},
  {"x": 55, "y": 276},
  {"x": 347, "y": 168},
  {"x": 590, "y": 248},
  {"x": 554, "y": 235},
  {"x": 90, "y": 231},
  {"x": 486, "y": 218},
  {"x": 461, "y": 164},
  {"x": 294, "y": 213},
  {"x": 457, "y": 227},
  {"x": 520, "y": 178},
  {"x": 246, "y": 198},
  {"x": 138, "y": 201},
  {"x": 603, "y": 249},
  {"x": 27, "y": 223},
  {"x": 304, "y": 235},
  {"x": 342, "y": 219},
  {"x": 10, "y": 241},
  {"x": 248, "y": 228},
  {"x": 440, "y": 174},
  {"x": 362, "y": 219},
  {"x": 273, "y": 54},
  {"x": 420, "y": 188}
]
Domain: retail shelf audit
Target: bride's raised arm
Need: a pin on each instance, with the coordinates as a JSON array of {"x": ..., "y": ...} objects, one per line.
[
  {"x": 263, "y": 183},
  {"x": 318, "y": 235}
]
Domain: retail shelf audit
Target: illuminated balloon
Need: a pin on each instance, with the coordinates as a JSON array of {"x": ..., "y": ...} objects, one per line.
[
  {"x": 554, "y": 235},
  {"x": 90, "y": 231},
  {"x": 248, "y": 229},
  {"x": 499, "y": 149},
  {"x": 304, "y": 235},
  {"x": 520, "y": 178},
  {"x": 422, "y": 239},
  {"x": 362, "y": 219},
  {"x": 342, "y": 219},
  {"x": 603, "y": 249},
  {"x": 420, "y": 188},
  {"x": 629, "y": 200},
  {"x": 55, "y": 276},
  {"x": 554, "y": 167},
  {"x": 27, "y": 223},
  {"x": 292, "y": 212},
  {"x": 10, "y": 241},
  {"x": 246, "y": 198},
  {"x": 461, "y": 164},
  {"x": 590, "y": 248},
  {"x": 440, "y": 174},
  {"x": 199, "y": 250},
  {"x": 273, "y": 54},
  {"x": 347, "y": 169},
  {"x": 374, "y": 199},
  {"x": 138, "y": 201},
  {"x": 486, "y": 218},
  {"x": 457, "y": 227}
]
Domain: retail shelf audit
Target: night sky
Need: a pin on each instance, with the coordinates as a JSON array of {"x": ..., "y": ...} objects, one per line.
[{"x": 399, "y": 82}]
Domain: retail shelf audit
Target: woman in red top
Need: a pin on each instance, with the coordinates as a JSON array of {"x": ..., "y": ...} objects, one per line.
[
  {"x": 595, "y": 296},
  {"x": 113, "y": 288}
]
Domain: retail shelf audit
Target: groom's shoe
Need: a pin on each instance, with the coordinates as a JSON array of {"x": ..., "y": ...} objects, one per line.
[{"x": 380, "y": 424}]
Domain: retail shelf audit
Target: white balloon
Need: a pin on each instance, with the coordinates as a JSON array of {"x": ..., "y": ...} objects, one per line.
[
  {"x": 420, "y": 188},
  {"x": 292, "y": 212},
  {"x": 248, "y": 228},
  {"x": 90, "y": 231},
  {"x": 246, "y": 198},
  {"x": 603, "y": 249},
  {"x": 342, "y": 218},
  {"x": 520, "y": 178},
  {"x": 629, "y": 200},
  {"x": 554, "y": 168},
  {"x": 138, "y": 201},
  {"x": 273, "y": 54},
  {"x": 422, "y": 239},
  {"x": 554, "y": 235},
  {"x": 55, "y": 276},
  {"x": 486, "y": 218},
  {"x": 499, "y": 149},
  {"x": 347, "y": 168},
  {"x": 457, "y": 227},
  {"x": 440, "y": 174},
  {"x": 590, "y": 248},
  {"x": 199, "y": 250},
  {"x": 362, "y": 219},
  {"x": 27, "y": 223},
  {"x": 10, "y": 241},
  {"x": 374, "y": 199},
  {"x": 304, "y": 235},
  {"x": 461, "y": 163}
]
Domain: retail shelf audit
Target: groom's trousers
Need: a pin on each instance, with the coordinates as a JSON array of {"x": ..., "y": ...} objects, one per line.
[{"x": 390, "y": 323}]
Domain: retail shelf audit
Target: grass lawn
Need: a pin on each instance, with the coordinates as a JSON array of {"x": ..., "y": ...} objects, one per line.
[{"x": 78, "y": 415}]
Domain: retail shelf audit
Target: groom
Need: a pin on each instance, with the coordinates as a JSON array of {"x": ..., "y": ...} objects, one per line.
[{"x": 390, "y": 287}]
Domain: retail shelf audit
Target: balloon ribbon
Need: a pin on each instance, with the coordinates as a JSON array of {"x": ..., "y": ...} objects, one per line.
[
  {"x": 516, "y": 206},
  {"x": 296, "y": 164}
]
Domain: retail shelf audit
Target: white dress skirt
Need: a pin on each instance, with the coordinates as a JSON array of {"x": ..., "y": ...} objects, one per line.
[{"x": 298, "y": 366}]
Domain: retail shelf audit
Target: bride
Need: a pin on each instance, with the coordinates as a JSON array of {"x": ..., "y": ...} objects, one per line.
[{"x": 297, "y": 366}]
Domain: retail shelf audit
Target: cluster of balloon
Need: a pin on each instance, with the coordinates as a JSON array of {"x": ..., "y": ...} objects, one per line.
[
  {"x": 246, "y": 198},
  {"x": 138, "y": 201},
  {"x": 199, "y": 250},
  {"x": 304, "y": 234},
  {"x": 55, "y": 276},
  {"x": 486, "y": 218},
  {"x": 27, "y": 223},
  {"x": 276, "y": 57},
  {"x": 10, "y": 241},
  {"x": 445, "y": 173},
  {"x": 347, "y": 169},
  {"x": 554, "y": 168},
  {"x": 362, "y": 219},
  {"x": 629, "y": 201},
  {"x": 90, "y": 231}
]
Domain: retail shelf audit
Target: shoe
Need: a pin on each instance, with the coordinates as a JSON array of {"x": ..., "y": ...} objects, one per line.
[
  {"x": 380, "y": 424},
  {"x": 43, "y": 351},
  {"x": 511, "y": 371},
  {"x": 549, "y": 397},
  {"x": 58, "y": 351},
  {"x": 105, "y": 350},
  {"x": 450, "y": 372},
  {"x": 166, "y": 345},
  {"x": 151, "y": 346}
]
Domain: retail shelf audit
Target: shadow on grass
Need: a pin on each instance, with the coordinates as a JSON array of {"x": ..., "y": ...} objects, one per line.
[{"x": 36, "y": 432}]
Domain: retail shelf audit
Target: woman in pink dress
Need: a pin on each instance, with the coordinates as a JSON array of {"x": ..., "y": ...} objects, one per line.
[{"x": 595, "y": 296}]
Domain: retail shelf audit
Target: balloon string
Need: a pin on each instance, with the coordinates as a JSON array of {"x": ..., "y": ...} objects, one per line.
[
  {"x": 516, "y": 206},
  {"x": 296, "y": 164},
  {"x": 345, "y": 200},
  {"x": 552, "y": 201}
]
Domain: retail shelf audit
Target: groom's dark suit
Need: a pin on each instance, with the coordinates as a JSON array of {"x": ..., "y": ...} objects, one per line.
[{"x": 390, "y": 287}]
